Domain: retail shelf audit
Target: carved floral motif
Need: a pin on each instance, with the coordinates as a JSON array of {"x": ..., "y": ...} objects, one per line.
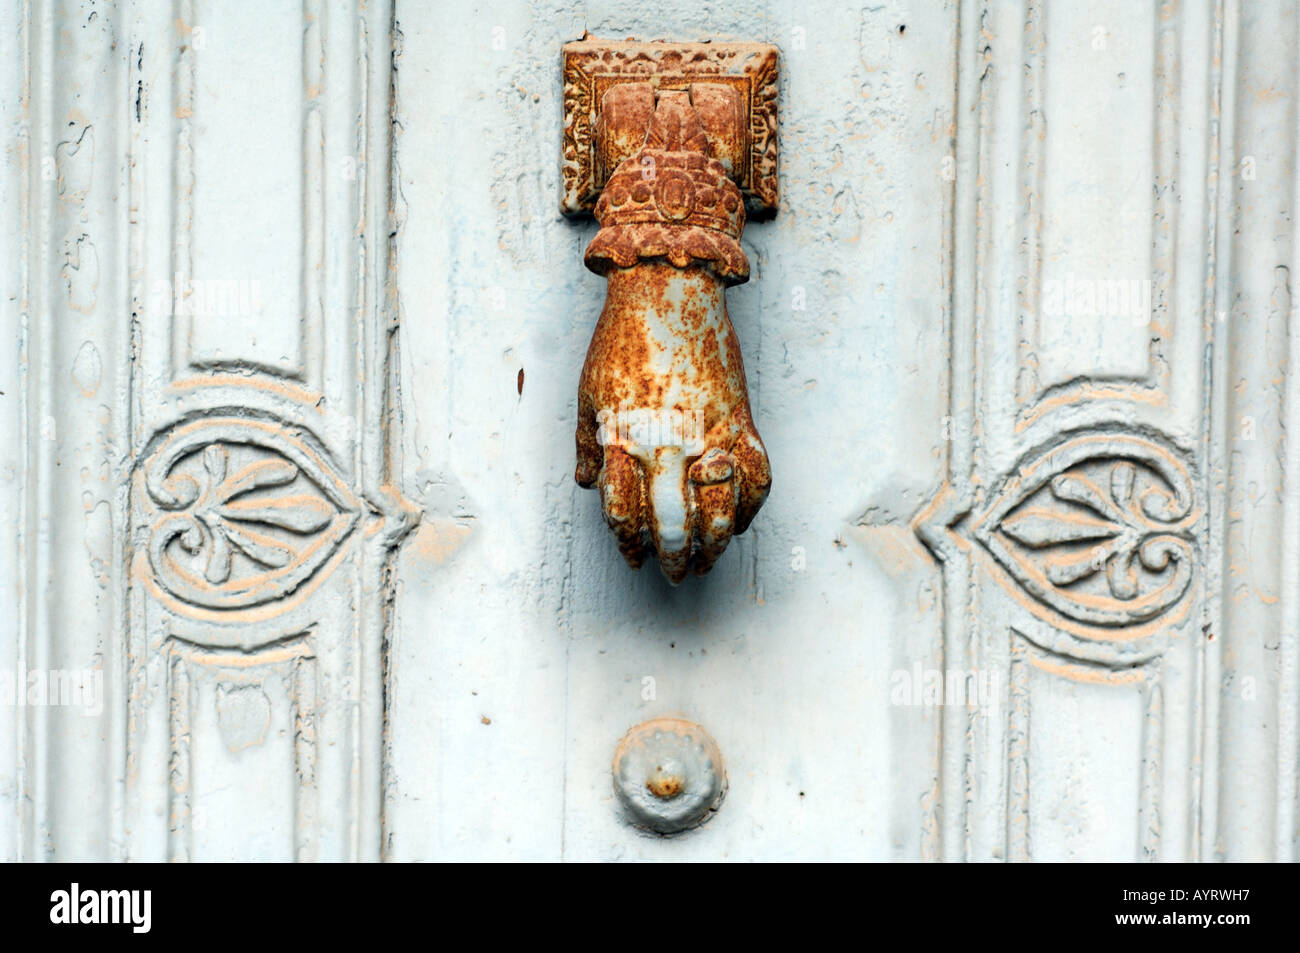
[
  {"x": 1099, "y": 529},
  {"x": 243, "y": 511}
]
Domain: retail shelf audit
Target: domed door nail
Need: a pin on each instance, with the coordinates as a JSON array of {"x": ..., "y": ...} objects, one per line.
[{"x": 668, "y": 775}]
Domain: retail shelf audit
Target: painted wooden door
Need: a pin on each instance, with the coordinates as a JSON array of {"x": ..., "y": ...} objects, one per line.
[{"x": 298, "y": 567}]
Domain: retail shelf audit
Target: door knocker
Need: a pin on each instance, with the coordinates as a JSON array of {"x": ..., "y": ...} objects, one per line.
[{"x": 665, "y": 431}]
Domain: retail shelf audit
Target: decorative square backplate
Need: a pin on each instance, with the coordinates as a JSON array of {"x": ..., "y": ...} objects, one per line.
[{"x": 592, "y": 66}]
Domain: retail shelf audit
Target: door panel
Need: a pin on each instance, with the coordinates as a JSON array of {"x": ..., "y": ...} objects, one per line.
[
  {"x": 288, "y": 441},
  {"x": 512, "y": 590}
]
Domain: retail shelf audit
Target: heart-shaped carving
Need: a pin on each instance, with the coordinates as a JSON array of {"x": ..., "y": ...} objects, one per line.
[{"x": 1099, "y": 528}]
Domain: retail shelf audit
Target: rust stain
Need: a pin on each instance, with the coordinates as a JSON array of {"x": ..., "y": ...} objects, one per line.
[{"x": 665, "y": 787}]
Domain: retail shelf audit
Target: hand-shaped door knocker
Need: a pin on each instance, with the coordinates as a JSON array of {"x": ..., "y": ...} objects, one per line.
[{"x": 664, "y": 426}]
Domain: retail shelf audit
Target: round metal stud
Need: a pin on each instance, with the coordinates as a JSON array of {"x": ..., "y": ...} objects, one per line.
[{"x": 668, "y": 774}]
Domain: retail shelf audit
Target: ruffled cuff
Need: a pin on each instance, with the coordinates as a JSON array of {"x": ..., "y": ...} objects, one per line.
[{"x": 625, "y": 245}]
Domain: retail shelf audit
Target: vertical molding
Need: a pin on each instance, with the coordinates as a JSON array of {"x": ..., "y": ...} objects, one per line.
[
  {"x": 381, "y": 449},
  {"x": 1029, "y": 283},
  {"x": 74, "y": 417},
  {"x": 1150, "y": 782},
  {"x": 180, "y": 718},
  {"x": 23, "y": 737},
  {"x": 1170, "y": 102},
  {"x": 1079, "y": 440},
  {"x": 307, "y": 809},
  {"x": 1216, "y": 303},
  {"x": 1287, "y": 746},
  {"x": 181, "y": 219},
  {"x": 953, "y": 501},
  {"x": 313, "y": 197},
  {"x": 1250, "y": 690},
  {"x": 1019, "y": 849},
  {"x": 14, "y": 239},
  {"x": 32, "y": 726},
  {"x": 1171, "y": 95},
  {"x": 1288, "y": 705}
]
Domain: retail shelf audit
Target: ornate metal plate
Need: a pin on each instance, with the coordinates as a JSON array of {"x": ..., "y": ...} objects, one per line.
[{"x": 592, "y": 67}]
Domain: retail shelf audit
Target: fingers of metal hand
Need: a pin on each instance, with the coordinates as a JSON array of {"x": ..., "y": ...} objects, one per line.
[
  {"x": 715, "y": 510},
  {"x": 670, "y": 518},
  {"x": 623, "y": 499},
  {"x": 713, "y": 467},
  {"x": 588, "y": 440},
  {"x": 688, "y": 514},
  {"x": 753, "y": 476}
]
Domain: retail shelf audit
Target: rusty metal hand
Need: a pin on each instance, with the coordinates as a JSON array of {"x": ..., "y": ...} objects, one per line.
[{"x": 664, "y": 424}]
